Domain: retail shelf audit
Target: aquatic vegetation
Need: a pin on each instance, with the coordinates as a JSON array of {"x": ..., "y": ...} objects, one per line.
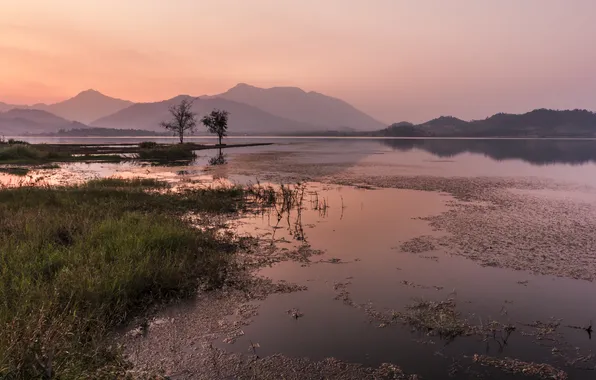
[
  {"x": 542, "y": 371},
  {"x": 295, "y": 313},
  {"x": 438, "y": 318}
]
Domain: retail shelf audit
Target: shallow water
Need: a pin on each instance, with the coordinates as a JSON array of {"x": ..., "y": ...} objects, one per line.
[
  {"x": 518, "y": 204},
  {"x": 365, "y": 235}
]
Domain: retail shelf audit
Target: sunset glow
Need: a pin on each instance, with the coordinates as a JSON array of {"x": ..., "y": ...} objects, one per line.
[{"x": 397, "y": 60}]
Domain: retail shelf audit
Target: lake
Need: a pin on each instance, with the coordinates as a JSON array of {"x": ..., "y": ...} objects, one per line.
[{"x": 495, "y": 237}]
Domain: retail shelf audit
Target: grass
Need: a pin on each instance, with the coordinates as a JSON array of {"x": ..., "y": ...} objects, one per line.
[
  {"x": 147, "y": 145},
  {"x": 181, "y": 152},
  {"x": 22, "y": 153},
  {"x": 28, "y": 154},
  {"x": 437, "y": 318},
  {"x": 124, "y": 183},
  {"x": 15, "y": 170},
  {"x": 75, "y": 262}
]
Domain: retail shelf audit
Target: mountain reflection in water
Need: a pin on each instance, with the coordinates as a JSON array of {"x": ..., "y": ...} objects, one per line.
[{"x": 534, "y": 151}]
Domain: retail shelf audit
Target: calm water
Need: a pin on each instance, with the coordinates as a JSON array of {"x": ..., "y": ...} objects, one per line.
[
  {"x": 361, "y": 234},
  {"x": 565, "y": 160}
]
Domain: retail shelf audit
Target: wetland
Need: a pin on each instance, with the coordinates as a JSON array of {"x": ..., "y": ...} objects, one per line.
[{"x": 319, "y": 258}]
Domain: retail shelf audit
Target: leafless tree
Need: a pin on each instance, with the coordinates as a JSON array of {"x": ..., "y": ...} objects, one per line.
[
  {"x": 183, "y": 119},
  {"x": 217, "y": 122}
]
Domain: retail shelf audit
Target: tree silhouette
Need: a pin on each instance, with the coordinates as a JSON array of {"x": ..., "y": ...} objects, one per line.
[
  {"x": 183, "y": 119},
  {"x": 217, "y": 122}
]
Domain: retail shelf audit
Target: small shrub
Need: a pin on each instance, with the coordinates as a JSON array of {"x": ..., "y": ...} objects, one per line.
[
  {"x": 20, "y": 142},
  {"x": 179, "y": 152},
  {"x": 147, "y": 145}
]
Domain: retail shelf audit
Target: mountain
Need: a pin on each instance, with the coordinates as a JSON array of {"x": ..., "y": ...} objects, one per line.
[
  {"x": 26, "y": 121},
  {"x": 5, "y": 107},
  {"x": 537, "y": 123},
  {"x": 243, "y": 118},
  {"x": 85, "y": 107},
  {"x": 306, "y": 107}
]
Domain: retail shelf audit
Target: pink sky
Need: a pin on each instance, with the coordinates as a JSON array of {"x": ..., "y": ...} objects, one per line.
[{"x": 395, "y": 59}]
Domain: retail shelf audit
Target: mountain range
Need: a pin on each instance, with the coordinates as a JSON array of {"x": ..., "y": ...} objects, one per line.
[
  {"x": 16, "y": 120},
  {"x": 279, "y": 111},
  {"x": 536, "y": 123},
  {"x": 253, "y": 110},
  {"x": 243, "y": 118}
]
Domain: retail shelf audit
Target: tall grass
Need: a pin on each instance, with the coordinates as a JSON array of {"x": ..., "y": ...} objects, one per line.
[
  {"x": 18, "y": 151},
  {"x": 77, "y": 261}
]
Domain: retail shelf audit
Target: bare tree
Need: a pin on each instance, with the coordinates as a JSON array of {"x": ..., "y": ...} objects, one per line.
[
  {"x": 183, "y": 119},
  {"x": 217, "y": 122}
]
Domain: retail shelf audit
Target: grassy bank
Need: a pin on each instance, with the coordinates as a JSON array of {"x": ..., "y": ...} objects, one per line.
[
  {"x": 180, "y": 152},
  {"x": 15, "y": 152},
  {"x": 76, "y": 262}
]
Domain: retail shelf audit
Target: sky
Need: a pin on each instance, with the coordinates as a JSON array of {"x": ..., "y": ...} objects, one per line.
[{"x": 394, "y": 59}]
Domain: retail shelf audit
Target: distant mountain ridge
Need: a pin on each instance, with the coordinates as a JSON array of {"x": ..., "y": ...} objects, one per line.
[
  {"x": 243, "y": 118},
  {"x": 283, "y": 111},
  {"x": 253, "y": 110},
  {"x": 19, "y": 121},
  {"x": 293, "y": 103},
  {"x": 6, "y": 107},
  {"x": 85, "y": 107},
  {"x": 537, "y": 123}
]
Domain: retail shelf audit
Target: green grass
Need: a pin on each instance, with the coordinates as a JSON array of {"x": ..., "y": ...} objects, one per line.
[
  {"x": 181, "y": 152},
  {"x": 76, "y": 262},
  {"x": 33, "y": 155},
  {"x": 114, "y": 182},
  {"x": 18, "y": 151}
]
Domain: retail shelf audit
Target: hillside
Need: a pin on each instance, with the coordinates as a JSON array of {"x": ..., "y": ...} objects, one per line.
[
  {"x": 85, "y": 107},
  {"x": 244, "y": 119},
  {"x": 537, "y": 123},
  {"x": 5, "y": 107},
  {"x": 27, "y": 121},
  {"x": 306, "y": 107}
]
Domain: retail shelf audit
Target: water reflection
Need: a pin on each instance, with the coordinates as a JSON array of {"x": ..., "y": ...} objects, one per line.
[
  {"x": 539, "y": 152},
  {"x": 218, "y": 159},
  {"x": 355, "y": 310}
]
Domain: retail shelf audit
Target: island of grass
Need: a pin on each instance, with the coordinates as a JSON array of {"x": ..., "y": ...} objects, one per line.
[
  {"x": 22, "y": 153},
  {"x": 76, "y": 262}
]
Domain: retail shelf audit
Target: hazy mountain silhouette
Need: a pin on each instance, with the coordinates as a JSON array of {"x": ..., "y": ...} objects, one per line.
[
  {"x": 243, "y": 118},
  {"x": 306, "y": 107},
  {"x": 5, "y": 107},
  {"x": 535, "y": 151},
  {"x": 19, "y": 121},
  {"x": 85, "y": 107},
  {"x": 537, "y": 123}
]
